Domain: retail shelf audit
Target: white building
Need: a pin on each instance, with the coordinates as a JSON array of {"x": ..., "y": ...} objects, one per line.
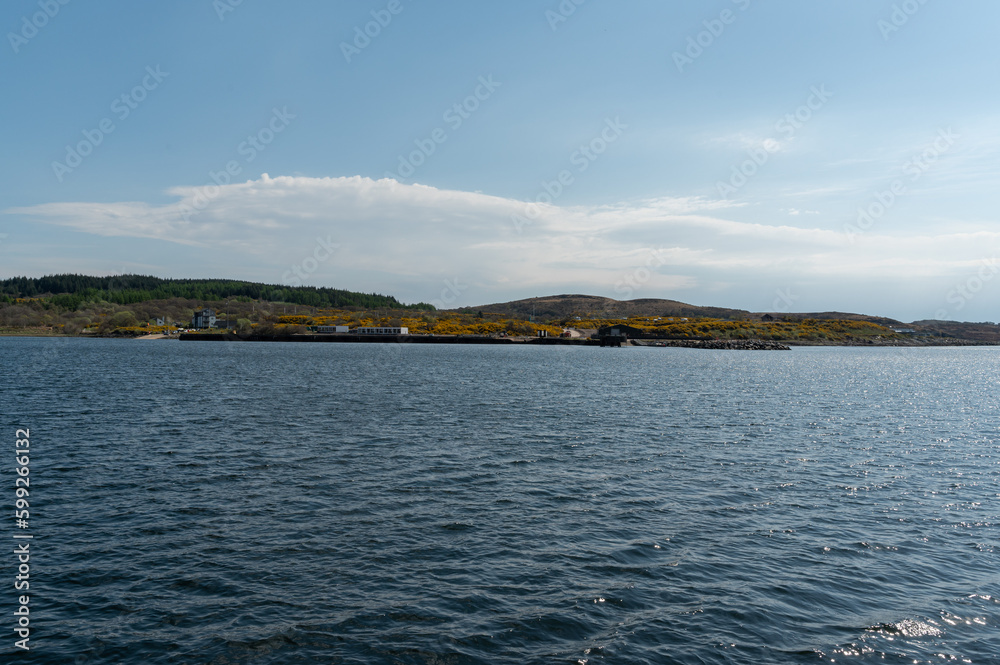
[
  {"x": 381, "y": 331},
  {"x": 331, "y": 329}
]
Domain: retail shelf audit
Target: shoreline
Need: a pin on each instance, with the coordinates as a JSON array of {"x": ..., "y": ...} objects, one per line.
[{"x": 711, "y": 344}]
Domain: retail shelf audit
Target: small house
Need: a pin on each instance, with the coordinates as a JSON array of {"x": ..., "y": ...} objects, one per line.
[{"x": 622, "y": 330}]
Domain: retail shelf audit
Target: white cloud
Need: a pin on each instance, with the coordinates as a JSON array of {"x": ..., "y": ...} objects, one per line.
[{"x": 406, "y": 239}]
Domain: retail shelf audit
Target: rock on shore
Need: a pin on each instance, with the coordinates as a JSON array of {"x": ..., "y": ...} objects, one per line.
[{"x": 735, "y": 344}]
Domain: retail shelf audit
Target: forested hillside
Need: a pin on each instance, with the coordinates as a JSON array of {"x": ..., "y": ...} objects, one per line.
[{"x": 71, "y": 291}]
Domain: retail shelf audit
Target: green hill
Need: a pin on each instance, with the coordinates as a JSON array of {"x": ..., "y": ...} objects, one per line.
[{"x": 71, "y": 291}]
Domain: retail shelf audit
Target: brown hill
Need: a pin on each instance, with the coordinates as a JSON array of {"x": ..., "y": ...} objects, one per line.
[
  {"x": 547, "y": 308},
  {"x": 567, "y": 306}
]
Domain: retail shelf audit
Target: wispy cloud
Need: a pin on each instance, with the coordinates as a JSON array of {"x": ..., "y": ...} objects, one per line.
[{"x": 407, "y": 237}]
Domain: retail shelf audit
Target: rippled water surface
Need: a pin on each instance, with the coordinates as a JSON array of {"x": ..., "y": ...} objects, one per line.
[{"x": 386, "y": 503}]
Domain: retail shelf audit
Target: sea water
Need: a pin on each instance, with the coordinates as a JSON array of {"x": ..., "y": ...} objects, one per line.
[{"x": 393, "y": 503}]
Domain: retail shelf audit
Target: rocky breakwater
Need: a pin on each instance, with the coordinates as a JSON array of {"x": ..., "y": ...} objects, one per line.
[{"x": 733, "y": 344}]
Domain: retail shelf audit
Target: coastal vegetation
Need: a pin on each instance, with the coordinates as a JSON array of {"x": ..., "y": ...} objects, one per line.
[
  {"x": 133, "y": 305},
  {"x": 789, "y": 329},
  {"x": 45, "y": 317}
]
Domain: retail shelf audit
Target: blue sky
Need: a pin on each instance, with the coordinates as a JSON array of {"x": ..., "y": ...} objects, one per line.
[{"x": 718, "y": 152}]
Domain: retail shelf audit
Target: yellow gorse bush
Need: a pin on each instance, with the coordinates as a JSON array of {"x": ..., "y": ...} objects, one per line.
[{"x": 831, "y": 329}]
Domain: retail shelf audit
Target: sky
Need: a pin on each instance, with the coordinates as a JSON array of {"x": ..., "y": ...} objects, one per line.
[{"x": 779, "y": 156}]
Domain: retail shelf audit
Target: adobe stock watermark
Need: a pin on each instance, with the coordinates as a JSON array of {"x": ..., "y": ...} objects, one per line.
[
  {"x": 452, "y": 290},
  {"x": 122, "y": 106},
  {"x": 914, "y": 169},
  {"x": 454, "y": 116},
  {"x": 254, "y": 144},
  {"x": 30, "y": 27},
  {"x": 223, "y": 7},
  {"x": 323, "y": 251},
  {"x": 363, "y": 36},
  {"x": 565, "y": 9},
  {"x": 783, "y": 300},
  {"x": 714, "y": 28},
  {"x": 391, "y": 353},
  {"x": 581, "y": 158},
  {"x": 963, "y": 292},
  {"x": 900, "y": 16},
  {"x": 640, "y": 276},
  {"x": 788, "y": 126}
]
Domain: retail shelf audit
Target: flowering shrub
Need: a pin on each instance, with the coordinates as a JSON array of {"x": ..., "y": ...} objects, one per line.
[{"x": 808, "y": 329}]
